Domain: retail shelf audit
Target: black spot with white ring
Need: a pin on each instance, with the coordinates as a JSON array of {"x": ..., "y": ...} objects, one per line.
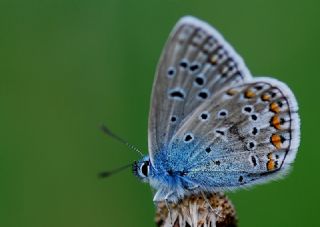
[
  {"x": 171, "y": 72},
  {"x": 253, "y": 160},
  {"x": 203, "y": 94},
  {"x": 220, "y": 132},
  {"x": 199, "y": 81},
  {"x": 254, "y": 117},
  {"x": 247, "y": 109},
  {"x": 194, "y": 67},
  {"x": 251, "y": 145},
  {"x": 173, "y": 119},
  {"x": 208, "y": 149},
  {"x": 204, "y": 116},
  {"x": 184, "y": 64},
  {"x": 222, "y": 113},
  {"x": 188, "y": 138},
  {"x": 177, "y": 94},
  {"x": 254, "y": 131}
]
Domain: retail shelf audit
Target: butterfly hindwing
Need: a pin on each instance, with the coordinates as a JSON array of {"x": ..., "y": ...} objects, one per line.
[
  {"x": 196, "y": 64},
  {"x": 243, "y": 135}
]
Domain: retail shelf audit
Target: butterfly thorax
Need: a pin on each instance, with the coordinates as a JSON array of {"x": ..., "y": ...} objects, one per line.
[{"x": 169, "y": 181}]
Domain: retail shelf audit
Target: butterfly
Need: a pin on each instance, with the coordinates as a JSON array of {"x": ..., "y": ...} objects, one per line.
[{"x": 212, "y": 126}]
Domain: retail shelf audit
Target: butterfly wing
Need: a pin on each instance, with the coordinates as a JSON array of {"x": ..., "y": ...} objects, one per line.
[
  {"x": 195, "y": 65},
  {"x": 243, "y": 135}
]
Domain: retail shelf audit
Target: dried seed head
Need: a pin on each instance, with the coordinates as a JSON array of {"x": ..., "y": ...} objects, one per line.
[{"x": 195, "y": 211}]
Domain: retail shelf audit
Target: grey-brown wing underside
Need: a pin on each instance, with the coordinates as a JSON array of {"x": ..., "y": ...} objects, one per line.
[
  {"x": 246, "y": 134},
  {"x": 196, "y": 63}
]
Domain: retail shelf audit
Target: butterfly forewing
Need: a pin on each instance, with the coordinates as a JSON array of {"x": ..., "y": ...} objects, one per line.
[{"x": 196, "y": 64}]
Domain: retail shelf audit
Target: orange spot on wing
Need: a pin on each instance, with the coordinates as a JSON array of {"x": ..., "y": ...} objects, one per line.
[
  {"x": 249, "y": 94},
  {"x": 275, "y": 121},
  {"x": 274, "y": 107},
  {"x": 265, "y": 97},
  {"x": 231, "y": 92},
  {"x": 214, "y": 59},
  {"x": 276, "y": 141},
  {"x": 271, "y": 165}
]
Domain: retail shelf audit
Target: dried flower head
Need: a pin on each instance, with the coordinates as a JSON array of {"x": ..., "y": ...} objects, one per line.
[{"x": 197, "y": 211}]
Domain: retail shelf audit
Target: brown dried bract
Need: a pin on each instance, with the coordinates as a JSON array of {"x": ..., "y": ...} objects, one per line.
[{"x": 194, "y": 211}]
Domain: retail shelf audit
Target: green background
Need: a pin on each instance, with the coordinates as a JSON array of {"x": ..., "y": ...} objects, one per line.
[{"x": 66, "y": 66}]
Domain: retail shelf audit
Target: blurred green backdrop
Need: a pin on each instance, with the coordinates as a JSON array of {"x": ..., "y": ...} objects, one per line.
[{"x": 66, "y": 66}]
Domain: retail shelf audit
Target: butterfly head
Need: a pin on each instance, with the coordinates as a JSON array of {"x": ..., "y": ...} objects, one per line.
[{"x": 142, "y": 168}]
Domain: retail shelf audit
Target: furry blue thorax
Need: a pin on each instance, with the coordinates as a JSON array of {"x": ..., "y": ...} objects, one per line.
[{"x": 169, "y": 181}]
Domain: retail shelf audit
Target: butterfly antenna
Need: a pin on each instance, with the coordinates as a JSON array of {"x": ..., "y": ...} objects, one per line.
[
  {"x": 105, "y": 174},
  {"x": 108, "y": 132}
]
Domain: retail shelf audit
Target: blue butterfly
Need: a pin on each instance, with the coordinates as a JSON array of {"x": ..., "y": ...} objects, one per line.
[{"x": 212, "y": 127}]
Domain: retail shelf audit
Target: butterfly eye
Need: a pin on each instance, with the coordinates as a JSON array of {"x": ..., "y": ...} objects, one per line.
[{"x": 145, "y": 168}]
